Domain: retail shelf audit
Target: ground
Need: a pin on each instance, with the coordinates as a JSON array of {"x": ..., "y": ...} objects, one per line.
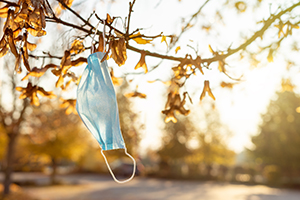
[{"x": 93, "y": 186}]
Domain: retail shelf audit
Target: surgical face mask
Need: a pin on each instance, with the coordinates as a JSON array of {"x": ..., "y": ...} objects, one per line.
[{"x": 98, "y": 109}]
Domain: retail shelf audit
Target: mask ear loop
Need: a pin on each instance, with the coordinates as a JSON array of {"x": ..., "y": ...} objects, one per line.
[
  {"x": 103, "y": 35},
  {"x": 93, "y": 38},
  {"x": 111, "y": 172}
]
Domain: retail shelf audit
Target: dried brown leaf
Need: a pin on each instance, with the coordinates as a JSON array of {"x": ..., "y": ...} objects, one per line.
[
  {"x": 22, "y": 14},
  {"x": 101, "y": 44},
  {"x": 70, "y": 104},
  {"x": 108, "y": 20},
  {"x": 31, "y": 46},
  {"x": 207, "y": 89},
  {"x": 44, "y": 93},
  {"x": 115, "y": 80},
  {"x": 77, "y": 47},
  {"x": 18, "y": 68},
  {"x": 118, "y": 50},
  {"x": 135, "y": 94},
  {"x": 29, "y": 92},
  {"x": 142, "y": 62},
  {"x": 169, "y": 116},
  {"x": 25, "y": 60},
  {"x": 4, "y": 11},
  {"x": 11, "y": 42},
  {"x": 226, "y": 85},
  {"x": 3, "y": 42},
  {"x": 36, "y": 72},
  {"x": 35, "y": 32},
  {"x": 4, "y": 50},
  {"x": 60, "y": 81},
  {"x": 10, "y": 21}
]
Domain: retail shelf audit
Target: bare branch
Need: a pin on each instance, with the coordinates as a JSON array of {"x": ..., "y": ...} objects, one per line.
[{"x": 188, "y": 24}]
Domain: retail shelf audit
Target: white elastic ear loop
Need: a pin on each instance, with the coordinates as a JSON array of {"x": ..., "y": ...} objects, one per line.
[
  {"x": 103, "y": 34},
  {"x": 94, "y": 37},
  {"x": 111, "y": 172}
]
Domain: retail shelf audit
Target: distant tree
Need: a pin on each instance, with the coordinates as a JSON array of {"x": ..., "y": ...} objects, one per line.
[
  {"x": 56, "y": 135},
  {"x": 2, "y": 146},
  {"x": 174, "y": 147},
  {"x": 278, "y": 141},
  {"x": 128, "y": 120},
  {"x": 211, "y": 145},
  {"x": 212, "y": 137},
  {"x": 12, "y": 117}
]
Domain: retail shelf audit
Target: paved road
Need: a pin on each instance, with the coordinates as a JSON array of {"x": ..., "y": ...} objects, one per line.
[{"x": 92, "y": 187}]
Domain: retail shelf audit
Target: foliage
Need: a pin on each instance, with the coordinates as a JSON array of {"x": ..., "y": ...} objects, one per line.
[
  {"x": 210, "y": 147},
  {"x": 27, "y": 19},
  {"x": 56, "y": 135},
  {"x": 279, "y": 138},
  {"x": 212, "y": 138},
  {"x": 174, "y": 145}
]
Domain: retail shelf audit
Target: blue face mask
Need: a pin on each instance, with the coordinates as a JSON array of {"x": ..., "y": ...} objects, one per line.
[{"x": 98, "y": 109}]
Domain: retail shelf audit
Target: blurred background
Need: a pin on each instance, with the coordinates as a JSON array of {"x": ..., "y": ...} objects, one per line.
[{"x": 248, "y": 135}]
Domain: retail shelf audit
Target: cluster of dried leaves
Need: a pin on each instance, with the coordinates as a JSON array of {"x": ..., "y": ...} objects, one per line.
[{"x": 29, "y": 17}]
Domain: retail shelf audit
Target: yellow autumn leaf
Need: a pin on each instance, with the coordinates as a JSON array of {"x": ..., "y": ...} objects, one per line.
[
  {"x": 270, "y": 55},
  {"x": 3, "y": 11},
  {"x": 142, "y": 41},
  {"x": 36, "y": 33},
  {"x": 164, "y": 39},
  {"x": 177, "y": 49},
  {"x": 77, "y": 47},
  {"x": 210, "y": 49},
  {"x": 59, "y": 82},
  {"x": 109, "y": 20},
  {"x": 138, "y": 38},
  {"x": 31, "y": 46},
  {"x": 142, "y": 62},
  {"x": 4, "y": 51},
  {"x": 70, "y": 105}
]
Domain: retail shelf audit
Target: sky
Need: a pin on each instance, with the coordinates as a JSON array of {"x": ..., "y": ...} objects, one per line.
[{"x": 240, "y": 108}]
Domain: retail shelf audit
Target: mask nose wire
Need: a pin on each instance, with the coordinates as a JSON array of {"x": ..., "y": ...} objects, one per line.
[{"x": 111, "y": 172}]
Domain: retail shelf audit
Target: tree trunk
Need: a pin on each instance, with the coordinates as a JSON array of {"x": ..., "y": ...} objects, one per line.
[
  {"x": 12, "y": 138},
  {"x": 54, "y": 171}
]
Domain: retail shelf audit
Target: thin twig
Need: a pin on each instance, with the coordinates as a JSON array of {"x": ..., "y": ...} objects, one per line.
[
  {"x": 188, "y": 24},
  {"x": 75, "y": 13},
  {"x": 10, "y": 3},
  {"x": 128, "y": 19}
]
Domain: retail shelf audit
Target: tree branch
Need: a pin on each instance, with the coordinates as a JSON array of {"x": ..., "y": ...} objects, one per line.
[
  {"x": 10, "y": 3},
  {"x": 129, "y": 16},
  {"x": 260, "y": 33},
  {"x": 75, "y": 13},
  {"x": 216, "y": 57},
  {"x": 188, "y": 23}
]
